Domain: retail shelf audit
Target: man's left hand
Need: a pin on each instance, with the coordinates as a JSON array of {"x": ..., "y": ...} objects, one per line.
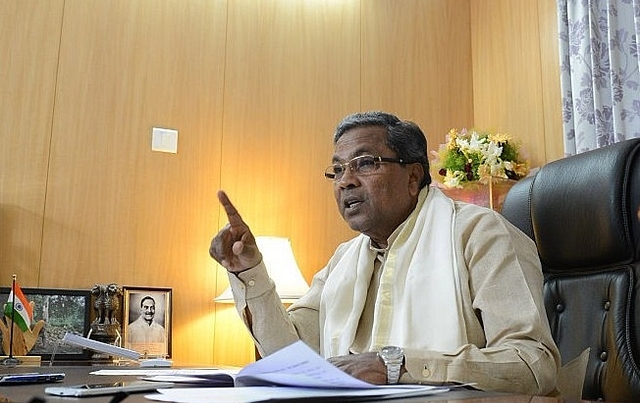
[{"x": 367, "y": 367}]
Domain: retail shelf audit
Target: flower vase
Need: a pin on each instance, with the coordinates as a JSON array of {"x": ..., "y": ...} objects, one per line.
[{"x": 490, "y": 194}]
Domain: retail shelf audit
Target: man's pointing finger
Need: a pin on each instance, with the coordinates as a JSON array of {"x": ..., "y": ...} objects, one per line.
[{"x": 232, "y": 214}]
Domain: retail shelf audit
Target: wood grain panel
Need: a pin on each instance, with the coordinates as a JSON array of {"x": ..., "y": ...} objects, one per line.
[
  {"x": 507, "y": 72},
  {"x": 29, "y": 43},
  {"x": 416, "y": 62},
  {"x": 116, "y": 211},
  {"x": 292, "y": 73},
  {"x": 551, "y": 93},
  {"x": 255, "y": 89}
]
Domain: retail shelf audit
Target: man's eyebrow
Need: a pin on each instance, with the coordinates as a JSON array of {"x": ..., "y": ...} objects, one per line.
[{"x": 356, "y": 153}]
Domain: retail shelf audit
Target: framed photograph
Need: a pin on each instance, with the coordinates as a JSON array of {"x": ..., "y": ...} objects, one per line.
[
  {"x": 62, "y": 310},
  {"x": 147, "y": 320}
]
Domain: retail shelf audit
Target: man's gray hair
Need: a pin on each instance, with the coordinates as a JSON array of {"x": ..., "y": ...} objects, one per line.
[{"x": 405, "y": 138}]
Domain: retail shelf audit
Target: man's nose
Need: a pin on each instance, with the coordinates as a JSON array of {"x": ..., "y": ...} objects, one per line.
[{"x": 348, "y": 178}]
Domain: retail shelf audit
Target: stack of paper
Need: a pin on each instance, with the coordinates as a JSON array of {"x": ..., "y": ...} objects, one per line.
[
  {"x": 99, "y": 346},
  {"x": 283, "y": 393},
  {"x": 297, "y": 371}
]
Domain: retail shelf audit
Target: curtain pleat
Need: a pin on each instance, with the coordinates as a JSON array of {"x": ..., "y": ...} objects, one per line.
[{"x": 599, "y": 72}]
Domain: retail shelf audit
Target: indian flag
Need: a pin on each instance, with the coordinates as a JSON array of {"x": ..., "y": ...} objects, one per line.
[{"x": 23, "y": 314}]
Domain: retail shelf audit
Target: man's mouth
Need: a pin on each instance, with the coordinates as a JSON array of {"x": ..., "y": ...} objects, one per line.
[{"x": 351, "y": 203}]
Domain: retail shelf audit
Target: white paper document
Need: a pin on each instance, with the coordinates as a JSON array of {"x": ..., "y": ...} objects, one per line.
[
  {"x": 268, "y": 393},
  {"x": 165, "y": 372},
  {"x": 298, "y": 372},
  {"x": 99, "y": 346},
  {"x": 297, "y": 365}
]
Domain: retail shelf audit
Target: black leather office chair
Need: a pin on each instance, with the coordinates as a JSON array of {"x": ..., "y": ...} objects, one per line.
[{"x": 583, "y": 212}]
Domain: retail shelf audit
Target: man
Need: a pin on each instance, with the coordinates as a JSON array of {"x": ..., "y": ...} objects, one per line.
[
  {"x": 145, "y": 329},
  {"x": 431, "y": 291}
]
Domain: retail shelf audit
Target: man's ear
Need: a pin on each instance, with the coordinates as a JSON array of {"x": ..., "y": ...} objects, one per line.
[{"x": 416, "y": 173}]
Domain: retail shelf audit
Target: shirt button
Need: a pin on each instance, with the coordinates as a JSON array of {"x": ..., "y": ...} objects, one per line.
[
  {"x": 426, "y": 373},
  {"x": 604, "y": 356},
  {"x": 251, "y": 283}
]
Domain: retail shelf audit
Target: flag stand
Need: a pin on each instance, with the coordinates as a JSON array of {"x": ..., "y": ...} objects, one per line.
[
  {"x": 21, "y": 360},
  {"x": 17, "y": 335},
  {"x": 11, "y": 360}
]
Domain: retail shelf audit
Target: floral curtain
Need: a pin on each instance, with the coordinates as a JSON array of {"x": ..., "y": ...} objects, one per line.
[{"x": 599, "y": 72}]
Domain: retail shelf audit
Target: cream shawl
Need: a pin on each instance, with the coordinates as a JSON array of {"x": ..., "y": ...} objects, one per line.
[{"x": 418, "y": 305}]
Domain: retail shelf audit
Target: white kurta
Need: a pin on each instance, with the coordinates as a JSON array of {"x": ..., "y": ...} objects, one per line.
[{"x": 508, "y": 343}]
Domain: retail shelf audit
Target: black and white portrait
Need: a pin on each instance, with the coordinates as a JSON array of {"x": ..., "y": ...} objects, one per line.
[{"x": 147, "y": 324}]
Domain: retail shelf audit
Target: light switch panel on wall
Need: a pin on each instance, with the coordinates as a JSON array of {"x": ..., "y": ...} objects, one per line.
[{"x": 164, "y": 140}]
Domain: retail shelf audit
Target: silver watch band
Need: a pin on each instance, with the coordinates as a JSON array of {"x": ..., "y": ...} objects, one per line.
[
  {"x": 393, "y": 372},
  {"x": 393, "y": 358}
]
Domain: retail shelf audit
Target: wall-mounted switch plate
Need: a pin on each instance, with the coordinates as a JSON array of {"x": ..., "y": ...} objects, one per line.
[{"x": 164, "y": 140}]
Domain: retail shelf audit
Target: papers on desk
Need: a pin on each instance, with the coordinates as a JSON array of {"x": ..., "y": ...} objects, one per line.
[
  {"x": 199, "y": 377},
  {"x": 297, "y": 370},
  {"x": 99, "y": 346},
  {"x": 296, "y": 365},
  {"x": 282, "y": 393}
]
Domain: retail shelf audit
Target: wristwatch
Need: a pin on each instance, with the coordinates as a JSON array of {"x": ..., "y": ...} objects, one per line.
[{"x": 393, "y": 358}]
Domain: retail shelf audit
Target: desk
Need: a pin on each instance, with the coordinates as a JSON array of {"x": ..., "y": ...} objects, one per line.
[{"x": 78, "y": 375}]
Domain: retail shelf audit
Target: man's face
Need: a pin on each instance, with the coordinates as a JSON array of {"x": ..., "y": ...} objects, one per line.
[
  {"x": 148, "y": 309},
  {"x": 375, "y": 203}
]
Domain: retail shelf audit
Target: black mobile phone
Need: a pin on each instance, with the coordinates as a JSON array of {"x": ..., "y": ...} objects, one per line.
[
  {"x": 31, "y": 377},
  {"x": 110, "y": 388}
]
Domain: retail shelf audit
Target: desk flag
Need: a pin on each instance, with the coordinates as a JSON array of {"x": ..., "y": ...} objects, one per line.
[{"x": 23, "y": 312}]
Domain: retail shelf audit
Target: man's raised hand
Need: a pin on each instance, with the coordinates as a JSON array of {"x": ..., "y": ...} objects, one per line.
[{"x": 234, "y": 247}]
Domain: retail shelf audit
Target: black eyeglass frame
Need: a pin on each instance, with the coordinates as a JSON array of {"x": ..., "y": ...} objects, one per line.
[{"x": 331, "y": 175}]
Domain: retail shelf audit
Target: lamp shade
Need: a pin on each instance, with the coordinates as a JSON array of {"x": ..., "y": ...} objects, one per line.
[{"x": 282, "y": 268}]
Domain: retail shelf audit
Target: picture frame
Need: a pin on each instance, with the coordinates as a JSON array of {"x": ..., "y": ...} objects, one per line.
[
  {"x": 63, "y": 310},
  {"x": 147, "y": 320}
]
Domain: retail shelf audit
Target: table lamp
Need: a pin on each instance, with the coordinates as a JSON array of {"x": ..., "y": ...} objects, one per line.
[{"x": 282, "y": 268}]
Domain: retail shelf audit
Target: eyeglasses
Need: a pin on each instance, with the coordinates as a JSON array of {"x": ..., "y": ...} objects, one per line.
[{"x": 361, "y": 165}]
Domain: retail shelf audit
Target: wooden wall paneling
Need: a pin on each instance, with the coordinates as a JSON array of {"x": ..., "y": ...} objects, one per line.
[
  {"x": 551, "y": 93},
  {"x": 416, "y": 62},
  {"x": 116, "y": 211},
  {"x": 255, "y": 103},
  {"x": 292, "y": 74},
  {"x": 29, "y": 44},
  {"x": 507, "y": 72}
]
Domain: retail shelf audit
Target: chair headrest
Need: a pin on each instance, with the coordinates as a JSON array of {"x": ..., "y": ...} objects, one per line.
[{"x": 583, "y": 209}]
